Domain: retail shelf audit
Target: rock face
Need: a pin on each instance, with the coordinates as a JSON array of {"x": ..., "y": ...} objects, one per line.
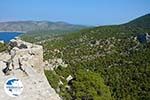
[{"x": 26, "y": 63}]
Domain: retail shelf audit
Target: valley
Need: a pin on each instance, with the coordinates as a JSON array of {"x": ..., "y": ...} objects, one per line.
[
  {"x": 98, "y": 63},
  {"x": 112, "y": 53}
]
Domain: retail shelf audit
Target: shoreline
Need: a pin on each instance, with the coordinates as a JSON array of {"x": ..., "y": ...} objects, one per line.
[
  {"x": 22, "y": 32},
  {"x": 7, "y": 36}
]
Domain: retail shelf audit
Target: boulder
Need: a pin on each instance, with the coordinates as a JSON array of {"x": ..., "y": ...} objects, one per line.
[{"x": 69, "y": 78}]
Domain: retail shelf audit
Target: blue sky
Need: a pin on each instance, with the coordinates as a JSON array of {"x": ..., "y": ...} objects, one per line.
[{"x": 85, "y": 12}]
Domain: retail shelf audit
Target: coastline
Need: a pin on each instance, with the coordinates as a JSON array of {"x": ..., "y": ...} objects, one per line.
[
  {"x": 5, "y": 37},
  {"x": 22, "y": 32}
]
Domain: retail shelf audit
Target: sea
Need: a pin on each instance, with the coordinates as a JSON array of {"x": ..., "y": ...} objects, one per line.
[{"x": 7, "y": 36}]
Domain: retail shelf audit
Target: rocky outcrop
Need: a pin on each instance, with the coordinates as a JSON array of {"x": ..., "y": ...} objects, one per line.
[
  {"x": 52, "y": 64},
  {"x": 26, "y": 63}
]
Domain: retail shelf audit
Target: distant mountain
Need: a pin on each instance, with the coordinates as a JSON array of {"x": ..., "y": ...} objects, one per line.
[{"x": 27, "y": 26}]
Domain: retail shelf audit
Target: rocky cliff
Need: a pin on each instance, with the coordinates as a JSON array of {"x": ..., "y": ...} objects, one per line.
[{"x": 25, "y": 61}]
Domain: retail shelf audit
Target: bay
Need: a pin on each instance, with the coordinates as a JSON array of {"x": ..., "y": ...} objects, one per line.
[{"x": 7, "y": 36}]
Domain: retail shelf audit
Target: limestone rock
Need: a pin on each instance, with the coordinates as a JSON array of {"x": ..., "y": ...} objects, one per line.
[
  {"x": 69, "y": 78},
  {"x": 36, "y": 86},
  {"x": 54, "y": 63}
]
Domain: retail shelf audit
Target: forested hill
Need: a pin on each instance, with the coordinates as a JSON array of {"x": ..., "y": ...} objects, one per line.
[
  {"x": 143, "y": 21},
  {"x": 138, "y": 25},
  {"x": 106, "y": 62}
]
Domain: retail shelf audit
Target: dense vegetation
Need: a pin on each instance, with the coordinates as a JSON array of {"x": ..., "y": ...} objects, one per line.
[
  {"x": 142, "y": 22},
  {"x": 40, "y": 36},
  {"x": 3, "y": 47},
  {"x": 102, "y": 60}
]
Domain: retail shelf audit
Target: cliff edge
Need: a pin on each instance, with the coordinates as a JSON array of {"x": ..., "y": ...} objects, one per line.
[{"x": 25, "y": 61}]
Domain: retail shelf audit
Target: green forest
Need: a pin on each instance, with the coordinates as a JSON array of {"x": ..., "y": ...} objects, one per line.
[
  {"x": 3, "y": 47},
  {"x": 107, "y": 63}
]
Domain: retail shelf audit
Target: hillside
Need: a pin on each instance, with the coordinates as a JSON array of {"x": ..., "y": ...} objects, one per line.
[
  {"x": 141, "y": 22},
  {"x": 139, "y": 25},
  {"x": 27, "y": 26},
  {"x": 103, "y": 63}
]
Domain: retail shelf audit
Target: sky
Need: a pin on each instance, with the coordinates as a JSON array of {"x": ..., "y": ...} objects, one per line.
[{"x": 84, "y": 12}]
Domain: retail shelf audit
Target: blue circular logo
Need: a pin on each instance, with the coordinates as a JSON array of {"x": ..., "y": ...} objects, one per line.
[{"x": 13, "y": 87}]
